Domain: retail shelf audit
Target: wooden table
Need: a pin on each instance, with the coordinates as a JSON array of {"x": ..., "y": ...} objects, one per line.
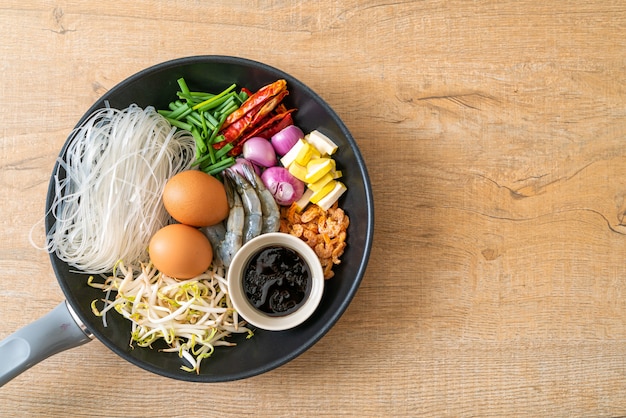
[{"x": 494, "y": 134}]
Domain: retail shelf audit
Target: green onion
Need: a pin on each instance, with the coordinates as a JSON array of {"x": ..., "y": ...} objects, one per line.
[
  {"x": 204, "y": 159},
  {"x": 200, "y": 145},
  {"x": 200, "y": 95},
  {"x": 230, "y": 109},
  {"x": 181, "y": 111},
  {"x": 203, "y": 115},
  {"x": 211, "y": 119},
  {"x": 179, "y": 124},
  {"x": 183, "y": 86},
  {"x": 206, "y": 104},
  {"x": 195, "y": 119},
  {"x": 217, "y": 139},
  {"x": 223, "y": 151},
  {"x": 219, "y": 166}
]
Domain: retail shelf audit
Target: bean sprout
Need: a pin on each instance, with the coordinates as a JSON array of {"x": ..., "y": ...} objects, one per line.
[
  {"x": 192, "y": 316},
  {"x": 108, "y": 187}
]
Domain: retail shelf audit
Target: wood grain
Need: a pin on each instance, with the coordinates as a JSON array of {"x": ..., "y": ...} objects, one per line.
[{"x": 494, "y": 138}]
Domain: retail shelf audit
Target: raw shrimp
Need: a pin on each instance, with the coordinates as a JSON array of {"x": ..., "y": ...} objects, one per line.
[
  {"x": 216, "y": 234},
  {"x": 269, "y": 207},
  {"x": 234, "y": 225},
  {"x": 251, "y": 205}
]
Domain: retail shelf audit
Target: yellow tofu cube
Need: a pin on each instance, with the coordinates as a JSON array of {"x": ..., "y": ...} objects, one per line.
[
  {"x": 298, "y": 171},
  {"x": 317, "y": 168},
  {"x": 304, "y": 200},
  {"x": 305, "y": 153},
  {"x": 291, "y": 155},
  {"x": 321, "y": 193},
  {"x": 321, "y": 182},
  {"x": 331, "y": 197},
  {"x": 322, "y": 143}
]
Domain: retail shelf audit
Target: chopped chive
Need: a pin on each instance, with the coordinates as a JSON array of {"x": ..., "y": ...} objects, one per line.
[
  {"x": 200, "y": 96},
  {"x": 179, "y": 124},
  {"x": 200, "y": 159},
  {"x": 230, "y": 110},
  {"x": 226, "y": 103},
  {"x": 206, "y": 102},
  {"x": 211, "y": 119},
  {"x": 214, "y": 104},
  {"x": 194, "y": 118},
  {"x": 205, "y": 130},
  {"x": 211, "y": 138},
  {"x": 188, "y": 98},
  {"x": 183, "y": 85},
  {"x": 218, "y": 138},
  {"x": 204, "y": 115},
  {"x": 210, "y": 156},
  {"x": 201, "y": 146},
  {"x": 222, "y": 102},
  {"x": 223, "y": 151},
  {"x": 180, "y": 112},
  {"x": 220, "y": 166}
]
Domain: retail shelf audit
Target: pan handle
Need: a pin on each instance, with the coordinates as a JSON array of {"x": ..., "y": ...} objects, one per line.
[{"x": 56, "y": 331}]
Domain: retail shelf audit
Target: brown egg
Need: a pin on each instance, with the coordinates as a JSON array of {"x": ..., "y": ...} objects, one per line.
[
  {"x": 195, "y": 198},
  {"x": 180, "y": 251}
]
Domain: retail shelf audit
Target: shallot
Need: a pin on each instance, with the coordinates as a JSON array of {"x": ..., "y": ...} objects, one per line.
[
  {"x": 259, "y": 151},
  {"x": 285, "y": 188},
  {"x": 284, "y": 140}
]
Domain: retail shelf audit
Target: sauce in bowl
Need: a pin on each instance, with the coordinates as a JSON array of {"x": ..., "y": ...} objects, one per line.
[{"x": 277, "y": 280}]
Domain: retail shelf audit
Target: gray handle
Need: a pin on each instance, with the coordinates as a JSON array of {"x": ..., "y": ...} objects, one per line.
[{"x": 56, "y": 331}]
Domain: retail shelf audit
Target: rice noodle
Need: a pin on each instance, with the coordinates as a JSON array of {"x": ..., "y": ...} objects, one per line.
[{"x": 108, "y": 186}]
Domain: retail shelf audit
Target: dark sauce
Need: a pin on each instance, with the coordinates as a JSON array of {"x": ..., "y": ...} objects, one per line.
[{"x": 277, "y": 280}]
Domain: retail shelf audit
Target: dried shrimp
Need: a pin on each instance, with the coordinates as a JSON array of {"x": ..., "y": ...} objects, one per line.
[{"x": 324, "y": 231}]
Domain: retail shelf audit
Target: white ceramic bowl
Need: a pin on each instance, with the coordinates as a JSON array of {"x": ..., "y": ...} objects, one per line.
[{"x": 253, "y": 315}]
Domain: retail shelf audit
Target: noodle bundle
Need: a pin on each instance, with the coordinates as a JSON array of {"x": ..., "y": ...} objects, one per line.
[{"x": 108, "y": 186}]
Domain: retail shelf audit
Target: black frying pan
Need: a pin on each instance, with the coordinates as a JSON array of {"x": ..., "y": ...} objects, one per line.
[{"x": 72, "y": 322}]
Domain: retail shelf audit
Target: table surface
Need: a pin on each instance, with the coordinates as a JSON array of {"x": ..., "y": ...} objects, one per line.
[{"x": 494, "y": 137}]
